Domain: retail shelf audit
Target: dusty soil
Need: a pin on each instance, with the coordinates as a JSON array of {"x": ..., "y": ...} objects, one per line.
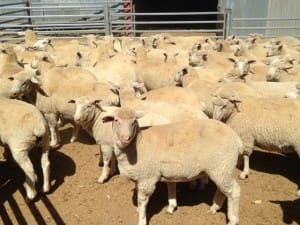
[{"x": 76, "y": 198}]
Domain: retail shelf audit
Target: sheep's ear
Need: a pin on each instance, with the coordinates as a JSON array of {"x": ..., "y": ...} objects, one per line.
[
  {"x": 11, "y": 78},
  {"x": 251, "y": 61},
  {"x": 79, "y": 55},
  {"x": 280, "y": 47},
  {"x": 232, "y": 60},
  {"x": 46, "y": 59},
  {"x": 72, "y": 101},
  {"x": 204, "y": 57},
  {"x": 108, "y": 119},
  {"x": 139, "y": 114},
  {"x": 97, "y": 101},
  {"x": 184, "y": 71}
]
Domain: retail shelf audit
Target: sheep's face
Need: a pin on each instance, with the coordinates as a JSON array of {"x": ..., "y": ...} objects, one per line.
[
  {"x": 197, "y": 58},
  {"x": 125, "y": 126},
  {"x": 274, "y": 50},
  {"x": 242, "y": 67},
  {"x": 223, "y": 105},
  {"x": 23, "y": 84},
  {"x": 274, "y": 74},
  {"x": 85, "y": 109},
  {"x": 179, "y": 76}
]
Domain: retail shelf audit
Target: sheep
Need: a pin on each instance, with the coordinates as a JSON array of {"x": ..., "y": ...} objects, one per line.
[
  {"x": 241, "y": 67},
  {"x": 167, "y": 109},
  {"x": 41, "y": 45},
  {"x": 50, "y": 90},
  {"x": 266, "y": 123},
  {"x": 273, "y": 48},
  {"x": 89, "y": 114},
  {"x": 197, "y": 58},
  {"x": 9, "y": 65},
  {"x": 266, "y": 89},
  {"x": 186, "y": 150},
  {"x": 153, "y": 72},
  {"x": 22, "y": 128},
  {"x": 276, "y": 73}
]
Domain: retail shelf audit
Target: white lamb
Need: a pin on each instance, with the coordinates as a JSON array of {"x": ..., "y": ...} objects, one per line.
[
  {"x": 22, "y": 128},
  {"x": 176, "y": 152}
]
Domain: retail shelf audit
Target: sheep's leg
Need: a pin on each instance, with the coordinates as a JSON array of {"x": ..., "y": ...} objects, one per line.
[
  {"x": 107, "y": 153},
  {"x": 171, "y": 197},
  {"x": 218, "y": 202},
  {"x": 75, "y": 133},
  {"x": 145, "y": 190},
  {"x": 233, "y": 195},
  {"x": 231, "y": 189},
  {"x": 22, "y": 159},
  {"x": 45, "y": 163},
  {"x": 244, "y": 174},
  {"x": 249, "y": 144},
  {"x": 52, "y": 122}
]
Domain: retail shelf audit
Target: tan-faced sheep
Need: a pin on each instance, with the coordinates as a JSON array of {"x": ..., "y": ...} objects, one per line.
[
  {"x": 266, "y": 123},
  {"x": 176, "y": 153},
  {"x": 22, "y": 128}
]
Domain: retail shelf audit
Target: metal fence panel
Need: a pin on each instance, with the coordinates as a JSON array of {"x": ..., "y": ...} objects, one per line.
[{"x": 171, "y": 22}]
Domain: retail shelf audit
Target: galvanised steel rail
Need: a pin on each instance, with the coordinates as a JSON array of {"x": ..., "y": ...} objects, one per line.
[
  {"x": 267, "y": 27},
  {"x": 190, "y": 22}
]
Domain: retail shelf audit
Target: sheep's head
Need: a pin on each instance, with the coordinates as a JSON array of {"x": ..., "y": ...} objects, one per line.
[
  {"x": 42, "y": 59},
  {"x": 273, "y": 50},
  {"x": 86, "y": 108},
  {"x": 242, "y": 67},
  {"x": 24, "y": 83},
  {"x": 275, "y": 73},
  {"x": 179, "y": 76},
  {"x": 197, "y": 58},
  {"x": 224, "y": 102},
  {"x": 125, "y": 126}
]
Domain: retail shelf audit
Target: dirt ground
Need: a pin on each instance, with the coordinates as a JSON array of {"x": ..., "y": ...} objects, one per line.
[{"x": 76, "y": 198}]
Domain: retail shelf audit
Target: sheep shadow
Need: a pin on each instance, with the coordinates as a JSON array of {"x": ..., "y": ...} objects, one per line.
[
  {"x": 12, "y": 179},
  {"x": 83, "y": 136},
  {"x": 290, "y": 210},
  {"x": 185, "y": 197},
  {"x": 274, "y": 163}
]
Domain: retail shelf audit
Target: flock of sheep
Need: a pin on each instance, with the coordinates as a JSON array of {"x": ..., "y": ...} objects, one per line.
[{"x": 161, "y": 108}]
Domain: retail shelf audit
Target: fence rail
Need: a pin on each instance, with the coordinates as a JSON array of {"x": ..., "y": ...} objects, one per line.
[
  {"x": 71, "y": 19},
  {"x": 268, "y": 27}
]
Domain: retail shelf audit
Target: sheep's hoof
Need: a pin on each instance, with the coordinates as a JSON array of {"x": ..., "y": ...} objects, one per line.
[
  {"x": 73, "y": 139},
  {"x": 171, "y": 209},
  {"x": 30, "y": 199},
  {"x": 213, "y": 209},
  {"x": 101, "y": 179},
  {"x": 243, "y": 176}
]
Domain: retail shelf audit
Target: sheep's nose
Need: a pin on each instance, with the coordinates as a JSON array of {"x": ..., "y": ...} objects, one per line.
[
  {"x": 125, "y": 138},
  {"x": 13, "y": 95}
]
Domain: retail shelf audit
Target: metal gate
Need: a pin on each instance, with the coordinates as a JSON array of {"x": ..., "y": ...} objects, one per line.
[{"x": 70, "y": 20}]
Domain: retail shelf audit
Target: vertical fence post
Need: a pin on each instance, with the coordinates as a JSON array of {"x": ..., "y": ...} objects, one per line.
[
  {"x": 228, "y": 22},
  {"x": 28, "y": 11},
  {"x": 107, "y": 19}
]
